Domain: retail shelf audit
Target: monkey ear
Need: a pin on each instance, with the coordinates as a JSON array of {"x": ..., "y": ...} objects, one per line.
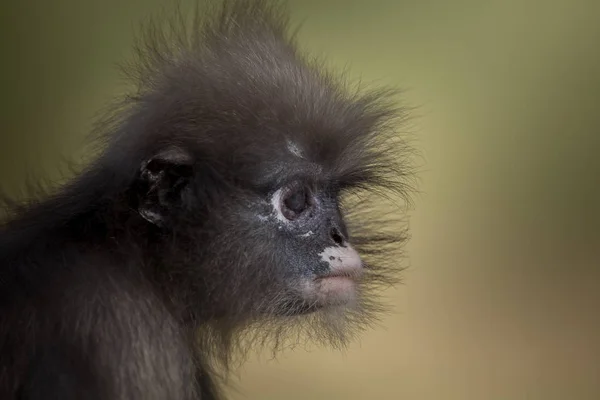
[{"x": 163, "y": 178}]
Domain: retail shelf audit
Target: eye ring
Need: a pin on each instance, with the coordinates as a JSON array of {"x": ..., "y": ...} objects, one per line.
[{"x": 295, "y": 201}]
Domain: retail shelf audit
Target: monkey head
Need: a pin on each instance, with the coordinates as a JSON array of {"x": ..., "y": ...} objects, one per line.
[{"x": 247, "y": 155}]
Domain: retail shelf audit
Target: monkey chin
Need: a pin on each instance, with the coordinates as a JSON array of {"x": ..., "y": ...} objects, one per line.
[{"x": 336, "y": 291}]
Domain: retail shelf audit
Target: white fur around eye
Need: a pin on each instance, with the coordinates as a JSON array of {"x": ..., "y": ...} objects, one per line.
[{"x": 276, "y": 203}]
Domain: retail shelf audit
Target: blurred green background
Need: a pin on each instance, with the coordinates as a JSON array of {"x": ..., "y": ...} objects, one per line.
[{"x": 501, "y": 300}]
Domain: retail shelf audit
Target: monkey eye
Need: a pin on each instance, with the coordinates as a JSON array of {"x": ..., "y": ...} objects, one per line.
[{"x": 295, "y": 201}]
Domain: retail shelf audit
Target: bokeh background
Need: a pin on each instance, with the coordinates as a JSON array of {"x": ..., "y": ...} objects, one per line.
[{"x": 501, "y": 300}]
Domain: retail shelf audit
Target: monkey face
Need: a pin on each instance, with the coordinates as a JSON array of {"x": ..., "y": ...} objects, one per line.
[
  {"x": 279, "y": 228},
  {"x": 324, "y": 268},
  {"x": 291, "y": 240}
]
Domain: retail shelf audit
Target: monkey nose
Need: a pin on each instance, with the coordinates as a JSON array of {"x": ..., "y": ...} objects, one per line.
[{"x": 342, "y": 260}]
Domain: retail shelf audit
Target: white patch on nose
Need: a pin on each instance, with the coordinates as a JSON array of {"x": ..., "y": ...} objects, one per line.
[
  {"x": 294, "y": 149},
  {"x": 307, "y": 234},
  {"x": 342, "y": 259}
]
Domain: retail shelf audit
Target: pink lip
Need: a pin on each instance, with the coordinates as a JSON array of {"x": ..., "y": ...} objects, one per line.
[{"x": 350, "y": 272}]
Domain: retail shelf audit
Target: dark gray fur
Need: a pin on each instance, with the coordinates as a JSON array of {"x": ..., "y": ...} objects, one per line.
[{"x": 159, "y": 264}]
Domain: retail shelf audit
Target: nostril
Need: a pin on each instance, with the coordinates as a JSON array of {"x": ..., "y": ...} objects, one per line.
[{"x": 336, "y": 236}]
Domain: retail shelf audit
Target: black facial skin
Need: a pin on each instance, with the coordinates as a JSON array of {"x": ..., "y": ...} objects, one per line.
[{"x": 227, "y": 210}]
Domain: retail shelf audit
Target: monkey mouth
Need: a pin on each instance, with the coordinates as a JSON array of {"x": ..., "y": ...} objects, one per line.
[
  {"x": 351, "y": 272},
  {"x": 337, "y": 287},
  {"x": 335, "y": 279},
  {"x": 339, "y": 284}
]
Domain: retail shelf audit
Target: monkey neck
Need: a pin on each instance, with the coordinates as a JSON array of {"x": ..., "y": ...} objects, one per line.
[
  {"x": 89, "y": 217},
  {"x": 90, "y": 211}
]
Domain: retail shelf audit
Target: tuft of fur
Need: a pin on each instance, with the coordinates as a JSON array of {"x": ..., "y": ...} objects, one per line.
[{"x": 231, "y": 87}]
